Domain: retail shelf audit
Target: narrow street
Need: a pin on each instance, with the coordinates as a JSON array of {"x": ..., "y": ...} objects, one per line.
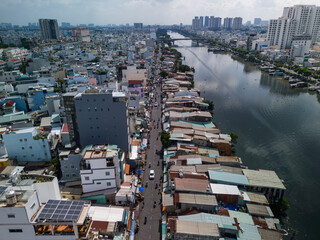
[{"x": 152, "y": 195}]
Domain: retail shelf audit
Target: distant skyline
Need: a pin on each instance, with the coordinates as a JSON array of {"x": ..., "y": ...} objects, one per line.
[{"x": 103, "y": 12}]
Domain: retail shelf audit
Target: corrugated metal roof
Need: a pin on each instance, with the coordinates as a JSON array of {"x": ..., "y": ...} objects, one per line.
[
  {"x": 259, "y": 210},
  {"x": 248, "y": 232},
  {"x": 194, "y": 161},
  {"x": 199, "y": 199},
  {"x": 222, "y": 221},
  {"x": 224, "y": 189},
  {"x": 228, "y": 178},
  {"x": 263, "y": 178},
  {"x": 12, "y": 118},
  {"x": 241, "y": 217},
  {"x": 196, "y": 228}
]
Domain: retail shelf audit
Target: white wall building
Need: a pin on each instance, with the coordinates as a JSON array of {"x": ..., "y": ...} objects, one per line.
[
  {"x": 296, "y": 20},
  {"x": 101, "y": 169}
]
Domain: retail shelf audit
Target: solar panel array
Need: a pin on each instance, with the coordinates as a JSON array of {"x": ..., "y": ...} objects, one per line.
[{"x": 61, "y": 210}]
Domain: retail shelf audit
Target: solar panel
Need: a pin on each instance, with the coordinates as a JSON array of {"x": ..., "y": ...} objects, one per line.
[{"x": 62, "y": 210}]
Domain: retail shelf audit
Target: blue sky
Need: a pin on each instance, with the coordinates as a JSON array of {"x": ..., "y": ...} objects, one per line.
[{"x": 103, "y": 12}]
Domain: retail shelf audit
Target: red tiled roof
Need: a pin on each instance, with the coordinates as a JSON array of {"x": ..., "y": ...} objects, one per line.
[
  {"x": 2, "y": 61},
  {"x": 9, "y": 103},
  {"x": 65, "y": 128},
  {"x": 15, "y": 60},
  {"x": 135, "y": 81},
  {"x": 99, "y": 226}
]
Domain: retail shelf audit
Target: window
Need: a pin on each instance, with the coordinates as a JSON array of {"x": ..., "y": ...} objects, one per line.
[
  {"x": 25, "y": 139},
  {"x": 32, "y": 155},
  {"x": 30, "y": 147},
  {"x": 45, "y": 154},
  {"x": 15, "y": 230},
  {"x": 20, "y": 140},
  {"x": 44, "y": 146},
  {"x": 107, "y": 173},
  {"x": 103, "y": 100},
  {"x": 22, "y": 148},
  {"x": 72, "y": 166},
  {"x": 108, "y": 184},
  {"x": 33, "y": 205},
  {"x": 86, "y": 178},
  {"x": 98, "y": 183},
  {"x": 74, "y": 175},
  {"x": 67, "y": 175},
  {"x": 11, "y": 216},
  {"x": 24, "y": 156}
]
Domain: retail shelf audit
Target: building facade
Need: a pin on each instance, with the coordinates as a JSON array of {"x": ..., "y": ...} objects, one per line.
[
  {"x": 227, "y": 23},
  {"x": 27, "y": 145},
  {"x": 237, "y": 23},
  {"x": 49, "y": 29},
  {"x": 295, "y": 21},
  {"x": 102, "y": 118},
  {"x": 100, "y": 169}
]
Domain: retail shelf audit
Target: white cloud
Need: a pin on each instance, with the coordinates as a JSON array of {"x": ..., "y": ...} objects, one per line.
[{"x": 146, "y": 11}]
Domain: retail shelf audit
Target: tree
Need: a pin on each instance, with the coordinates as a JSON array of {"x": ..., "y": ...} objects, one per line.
[
  {"x": 164, "y": 74},
  {"x": 211, "y": 105},
  {"x": 234, "y": 137},
  {"x": 184, "y": 68},
  {"x": 251, "y": 58},
  {"x": 161, "y": 59},
  {"x": 165, "y": 139},
  {"x": 96, "y": 59}
]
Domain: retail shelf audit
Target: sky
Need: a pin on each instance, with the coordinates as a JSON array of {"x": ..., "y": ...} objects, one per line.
[{"x": 162, "y": 12}]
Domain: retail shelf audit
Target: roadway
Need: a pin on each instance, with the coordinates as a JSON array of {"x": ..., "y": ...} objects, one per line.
[{"x": 152, "y": 212}]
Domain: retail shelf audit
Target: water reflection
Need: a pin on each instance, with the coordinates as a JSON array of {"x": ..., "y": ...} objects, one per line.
[{"x": 279, "y": 127}]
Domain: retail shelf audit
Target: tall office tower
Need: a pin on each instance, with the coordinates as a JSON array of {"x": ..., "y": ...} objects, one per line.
[
  {"x": 216, "y": 25},
  {"x": 299, "y": 20},
  {"x": 49, "y": 29},
  {"x": 227, "y": 23},
  {"x": 201, "y": 22},
  {"x": 102, "y": 118},
  {"x": 237, "y": 23},
  {"x": 138, "y": 25},
  {"x": 206, "y": 22},
  {"x": 211, "y": 20},
  {"x": 196, "y": 23},
  {"x": 257, "y": 21}
]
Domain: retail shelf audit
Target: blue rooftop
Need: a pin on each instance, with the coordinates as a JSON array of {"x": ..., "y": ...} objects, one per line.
[{"x": 228, "y": 178}]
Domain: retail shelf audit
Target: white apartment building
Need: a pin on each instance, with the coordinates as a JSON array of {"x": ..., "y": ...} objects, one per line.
[
  {"x": 20, "y": 203},
  {"x": 300, "y": 45},
  {"x": 101, "y": 169},
  {"x": 296, "y": 20}
]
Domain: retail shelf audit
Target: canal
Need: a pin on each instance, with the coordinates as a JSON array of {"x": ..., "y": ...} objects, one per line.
[{"x": 278, "y": 127}]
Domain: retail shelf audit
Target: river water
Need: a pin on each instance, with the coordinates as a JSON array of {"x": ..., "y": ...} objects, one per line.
[{"x": 278, "y": 127}]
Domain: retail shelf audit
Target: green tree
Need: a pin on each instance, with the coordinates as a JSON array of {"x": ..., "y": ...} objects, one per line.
[
  {"x": 234, "y": 137},
  {"x": 165, "y": 139},
  {"x": 251, "y": 58},
  {"x": 56, "y": 163},
  {"x": 164, "y": 74},
  {"x": 161, "y": 59},
  {"x": 211, "y": 105},
  {"x": 184, "y": 68}
]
